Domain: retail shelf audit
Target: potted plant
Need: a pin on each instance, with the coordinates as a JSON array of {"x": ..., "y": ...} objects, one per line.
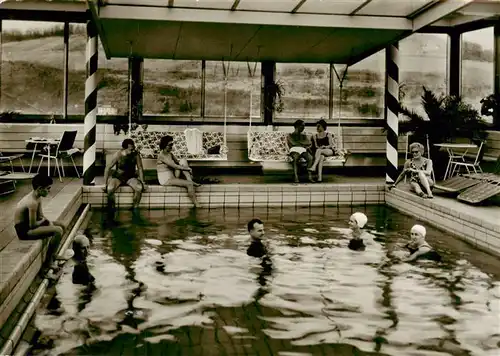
[
  {"x": 276, "y": 91},
  {"x": 490, "y": 106},
  {"x": 447, "y": 118}
]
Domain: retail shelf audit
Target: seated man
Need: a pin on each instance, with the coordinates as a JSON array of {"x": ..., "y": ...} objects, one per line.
[
  {"x": 127, "y": 161},
  {"x": 300, "y": 147},
  {"x": 31, "y": 224}
]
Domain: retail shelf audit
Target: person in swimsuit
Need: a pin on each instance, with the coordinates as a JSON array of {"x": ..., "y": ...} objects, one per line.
[
  {"x": 360, "y": 237},
  {"x": 418, "y": 247},
  {"x": 81, "y": 273},
  {"x": 31, "y": 223},
  {"x": 323, "y": 145},
  {"x": 256, "y": 230},
  {"x": 419, "y": 171},
  {"x": 300, "y": 147},
  {"x": 128, "y": 163},
  {"x": 169, "y": 169}
]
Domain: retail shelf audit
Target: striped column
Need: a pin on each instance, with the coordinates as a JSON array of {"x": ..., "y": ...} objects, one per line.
[
  {"x": 391, "y": 111},
  {"x": 89, "y": 155}
]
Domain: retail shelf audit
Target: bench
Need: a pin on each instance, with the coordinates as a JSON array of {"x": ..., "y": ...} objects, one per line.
[
  {"x": 148, "y": 145},
  {"x": 270, "y": 148}
]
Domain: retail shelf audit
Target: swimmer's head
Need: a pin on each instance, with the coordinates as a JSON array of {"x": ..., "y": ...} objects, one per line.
[
  {"x": 81, "y": 245},
  {"x": 256, "y": 228},
  {"x": 418, "y": 232},
  {"x": 357, "y": 220}
]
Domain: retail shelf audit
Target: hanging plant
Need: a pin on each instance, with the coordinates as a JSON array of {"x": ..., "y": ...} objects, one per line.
[
  {"x": 276, "y": 91},
  {"x": 490, "y": 106}
]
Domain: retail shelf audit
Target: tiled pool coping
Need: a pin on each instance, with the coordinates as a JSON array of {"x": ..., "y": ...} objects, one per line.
[{"x": 247, "y": 195}]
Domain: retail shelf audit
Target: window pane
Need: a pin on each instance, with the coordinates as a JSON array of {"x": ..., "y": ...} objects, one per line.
[
  {"x": 172, "y": 87},
  {"x": 477, "y": 67},
  {"x": 32, "y": 67},
  {"x": 239, "y": 85},
  {"x": 423, "y": 62},
  {"x": 77, "y": 69},
  {"x": 363, "y": 89},
  {"x": 305, "y": 90},
  {"x": 112, "y": 94}
]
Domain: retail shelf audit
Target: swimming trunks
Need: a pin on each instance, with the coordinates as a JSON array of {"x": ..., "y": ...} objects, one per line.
[{"x": 23, "y": 228}]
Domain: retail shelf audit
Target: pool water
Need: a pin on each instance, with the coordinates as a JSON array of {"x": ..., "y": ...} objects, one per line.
[{"x": 180, "y": 283}]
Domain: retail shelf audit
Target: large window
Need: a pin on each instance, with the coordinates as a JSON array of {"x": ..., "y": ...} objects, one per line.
[
  {"x": 242, "y": 79},
  {"x": 305, "y": 88},
  {"x": 363, "y": 88},
  {"x": 172, "y": 87},
  {"x": 32, "y": 67},
  {"x": 477, "y": 66},
  {"x": 423, "y": 62},
  {"x": 112, "y": 94},
  {"x": 77, "y": 69}
]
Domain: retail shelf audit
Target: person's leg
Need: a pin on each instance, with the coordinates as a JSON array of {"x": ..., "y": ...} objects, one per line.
[
  {"x": 320, "y": 168},
  {"x": 317, "y": 158},
  {"x": 415, "y": 187},
  {"x": 425, "y": 182},
  {"x": 309, "y": 160},
  {"x": 112, "y": 185},
  {"x": 295, "y": 163},
  {"x": 138, "y": 188},
  {"x": 186, "y": 184},
  {"x": 53, "y": 234},
  {"x": 187, "y": 174}
]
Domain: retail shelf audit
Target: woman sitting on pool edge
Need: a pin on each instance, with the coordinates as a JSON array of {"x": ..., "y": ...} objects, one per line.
[
  {"x": 419, "y": 170},
  {"x": 419, "y": 248},
  {"x": 169, "y": 169}
]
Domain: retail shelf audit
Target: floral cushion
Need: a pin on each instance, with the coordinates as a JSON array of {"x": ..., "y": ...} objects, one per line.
[{"x": 148, "y": 144}]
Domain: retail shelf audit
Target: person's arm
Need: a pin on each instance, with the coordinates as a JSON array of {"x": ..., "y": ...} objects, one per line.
[
  {"x": 428, "y": 171},
  {"x": 331, "y": 142},
  {"x": 290, "y": 141},
  {"x": 419, "y": 252},
  {"x": 40, "y": 217},
  {"x": 111, "y": 164},
  {"x": 169, "y": 160},
  {"x": 402, "y": 175}
]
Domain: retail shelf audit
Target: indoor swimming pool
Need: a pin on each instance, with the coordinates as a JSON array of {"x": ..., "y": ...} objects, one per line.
[{"x": 171, "y": 282}]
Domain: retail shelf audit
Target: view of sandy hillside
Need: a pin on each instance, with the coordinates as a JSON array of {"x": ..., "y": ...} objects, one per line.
[{"x": 32, "y": 80}]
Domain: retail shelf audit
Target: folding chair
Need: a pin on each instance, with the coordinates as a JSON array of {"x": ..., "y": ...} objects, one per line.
[{"x": 64, "y": 149}]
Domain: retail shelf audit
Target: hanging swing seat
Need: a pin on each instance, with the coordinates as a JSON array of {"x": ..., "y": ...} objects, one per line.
[
  {"x": 148, "y": 145},
  {"x": 270, "y": 149}
]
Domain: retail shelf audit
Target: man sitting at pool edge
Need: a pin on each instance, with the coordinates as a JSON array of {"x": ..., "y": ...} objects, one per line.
[
  {"x": 128, "y": 171},
  {"x": 31, "y": 223}
]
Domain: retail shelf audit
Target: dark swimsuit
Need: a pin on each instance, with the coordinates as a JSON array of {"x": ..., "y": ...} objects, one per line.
[
  {"x": 325, "y": 141},
  {"x": 125, "y": 168},
  {"x": 256, "y": 249},
  {"x": 23, "y": 228},
  {"x": 431, "y": 255},
  {"x": 356, "y": 245}
]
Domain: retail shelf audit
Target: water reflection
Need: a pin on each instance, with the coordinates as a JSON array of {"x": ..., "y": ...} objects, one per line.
[{"x": 192, "y": 289}]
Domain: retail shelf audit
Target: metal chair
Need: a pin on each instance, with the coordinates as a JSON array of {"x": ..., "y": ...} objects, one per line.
[
  {"x": 11, "y": 158},
  {"x": 471, "y": 166},
  {"x": 64, "y": 149}
]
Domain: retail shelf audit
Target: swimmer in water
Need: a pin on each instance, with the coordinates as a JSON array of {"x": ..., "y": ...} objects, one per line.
[
  {"x": 256, "y": 230},
  {"x": 419, "y": 248},
  {"x": 360, "y": 237},
  {"x": 81, "y": 273}
]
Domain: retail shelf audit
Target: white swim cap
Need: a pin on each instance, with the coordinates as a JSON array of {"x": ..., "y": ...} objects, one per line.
[
  {"x": 360, "y": 218},
  {"x": 419, "y": 229}
]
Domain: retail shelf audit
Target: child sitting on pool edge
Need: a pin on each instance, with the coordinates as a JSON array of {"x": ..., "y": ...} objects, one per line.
[
  {"x": 357, "y": 222},
  {"x": 419, "y": 248}
]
